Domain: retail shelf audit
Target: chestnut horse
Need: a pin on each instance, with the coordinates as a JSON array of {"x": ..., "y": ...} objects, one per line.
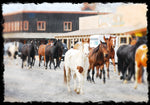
[
  {"x": 133, "y": 41},
  {"x": 41, "y": 51},
  {"x": 111, "y": 42},
  {"x": 96, "y": 58},
  {"x": 140, "y": 61}
]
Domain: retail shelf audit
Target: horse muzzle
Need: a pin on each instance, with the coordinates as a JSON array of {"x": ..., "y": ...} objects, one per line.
[
  {"x": 86, "y": 54},
  {"x": 105, "y": 55},
  {"x": 113, "y": 46}
]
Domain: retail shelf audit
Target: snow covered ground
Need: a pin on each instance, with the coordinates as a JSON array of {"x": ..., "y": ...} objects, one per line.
[{"x": 38, "y": 84}]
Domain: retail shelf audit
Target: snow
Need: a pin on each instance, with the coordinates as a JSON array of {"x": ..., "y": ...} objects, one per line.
[{"x": 38, "y": 84}]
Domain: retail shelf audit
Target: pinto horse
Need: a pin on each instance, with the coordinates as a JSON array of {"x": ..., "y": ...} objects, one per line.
[
  {"x": 126, "y": 58},
  {"x": 54, "y": 52},
  {"x": 41, "y": 51},
  {"x": 96, "y": 58},
  {"x": 76, "y": 62},
  {"x": 28, "y": 50},
  {"x": 111, "y": 42},
  {"x": 140, "y": 61}
]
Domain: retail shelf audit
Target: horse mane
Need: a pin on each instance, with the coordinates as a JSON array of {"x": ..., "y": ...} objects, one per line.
[
  {"x": 95, "y": 50},
  {"x": 140, "y": 41}
]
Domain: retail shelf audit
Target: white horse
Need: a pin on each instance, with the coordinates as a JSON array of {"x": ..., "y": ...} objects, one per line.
[
  {"x": 77, "y": 63},
  {"x": 13, "y": 50}
]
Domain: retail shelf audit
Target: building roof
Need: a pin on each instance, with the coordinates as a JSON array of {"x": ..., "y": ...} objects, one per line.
[
  {"x": 69, "y": 12},
  {"x": 104, "y": 30},
  {"x": 29, "y": 35}
]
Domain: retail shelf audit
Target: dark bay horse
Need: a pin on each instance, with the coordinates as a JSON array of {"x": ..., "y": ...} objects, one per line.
[
  {"x": 96, "y": 58},
  {"x": 126, "y": 58},
  {"x": 41, "y": 51},
  {"x": 54, "y": 52},
  {"x": 28, "y": 50}
]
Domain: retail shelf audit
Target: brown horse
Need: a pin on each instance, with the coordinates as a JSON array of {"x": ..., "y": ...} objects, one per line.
[
  {"x": 133, "y": 41},
  {"x": 106, "y": 60},
  {"x": 111, "y": 42},
  {"x": 96, "y": 58},
  {"x": 41, "y": 51},
  {"x": 140, "y": 62}
]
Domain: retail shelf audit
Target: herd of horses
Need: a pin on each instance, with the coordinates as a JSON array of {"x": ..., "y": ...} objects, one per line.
[{"x": 81, "y": 59}]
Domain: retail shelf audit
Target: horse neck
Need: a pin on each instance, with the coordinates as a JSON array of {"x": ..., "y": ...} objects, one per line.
[{"x": 100, "y": 51}]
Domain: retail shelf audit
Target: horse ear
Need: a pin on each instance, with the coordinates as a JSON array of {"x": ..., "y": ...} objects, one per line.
[
  {"x": 104, "y": 38},
  {"x": 55, "y": 42},
  {"x": 88, "y": 40},
  {"x": 110, "y": 38},
  {"x": 82, "y": 40},
  {"x": 100, "y": 42}
]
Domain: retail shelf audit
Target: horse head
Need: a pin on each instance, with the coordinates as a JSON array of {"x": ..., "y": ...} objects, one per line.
[
  {"x": 113, "y": 42},
  {"x": 103, "y": 48},
  {"x": 85, "y": 46},
  {"x": 142, "y": 40}
]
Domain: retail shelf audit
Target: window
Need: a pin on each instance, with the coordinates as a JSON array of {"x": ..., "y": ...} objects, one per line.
[
  {"x": 5, "y": 27},
  {"x": 8, "y": 27},
  {"x": 41, "y": 25},
  {"x": 123, "y": 40},
  {"x": 17, "y": 26},
  {"x": 20, "y": 25},
  {"x": 12, "y": 26},
  {"x": 26, "y": 26},
  {"x": 67, "y": 26}
]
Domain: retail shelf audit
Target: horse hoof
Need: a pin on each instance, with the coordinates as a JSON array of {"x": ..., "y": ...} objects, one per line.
[
  {"x": 135, "y": 87},
  {"x": 125, "y": 81},
  {"x": 121, "y": 77},
  {"x": 104, "y": 82}
]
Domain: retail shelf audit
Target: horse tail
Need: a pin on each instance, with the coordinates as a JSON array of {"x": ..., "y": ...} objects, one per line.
[{"x": 65, "y": 77}]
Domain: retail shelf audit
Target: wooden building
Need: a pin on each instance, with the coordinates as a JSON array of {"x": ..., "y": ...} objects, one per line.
[
  {"x": 25, "y": 25},
  {"x": 125, "y": 22}
]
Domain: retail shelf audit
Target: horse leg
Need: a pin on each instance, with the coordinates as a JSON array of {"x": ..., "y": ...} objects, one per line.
[
  {"x": 57, "y": 62},
  {"x": 80, "y": 81},
  {"x": 97, "y": 73},
  {"x": 88, "y": 74},
  {"x": 47, "y": 59},
  {"x": 93, "y": 72},
  {"x": 142, "y": 75},
  {"x": 75, "y": 84},
  {"x": 53, "y": 63},
  {"x": 33, "y": 61},
  {"x": 23, "y": 59},
  {"x": 120, "y": 66},
  {"x": 107, "y": 66},
  {"x": 125, "y": 73},
  {"x": 113, "y": 60},
  {"x": 68, "y": 74},
  {"x": 131, "y": 71},
  {"x": 39, "y": 59},
  {"x": 44, "y": 60},
  {"x": 50, "y": 63},
  {"x": 137, "y": 75},
  {"x": 103, "y": 76}
]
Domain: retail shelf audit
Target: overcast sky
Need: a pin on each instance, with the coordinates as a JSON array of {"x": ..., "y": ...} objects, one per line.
[{"x": 14, "y": 7}]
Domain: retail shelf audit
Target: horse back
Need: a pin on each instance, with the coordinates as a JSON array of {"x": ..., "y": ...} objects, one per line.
[
  {"x": 41, "y": 50},
  {"x": 28, "y": 49},
  {"x": 96, "y": 57},
  {"x": 141, "y": 55}
]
